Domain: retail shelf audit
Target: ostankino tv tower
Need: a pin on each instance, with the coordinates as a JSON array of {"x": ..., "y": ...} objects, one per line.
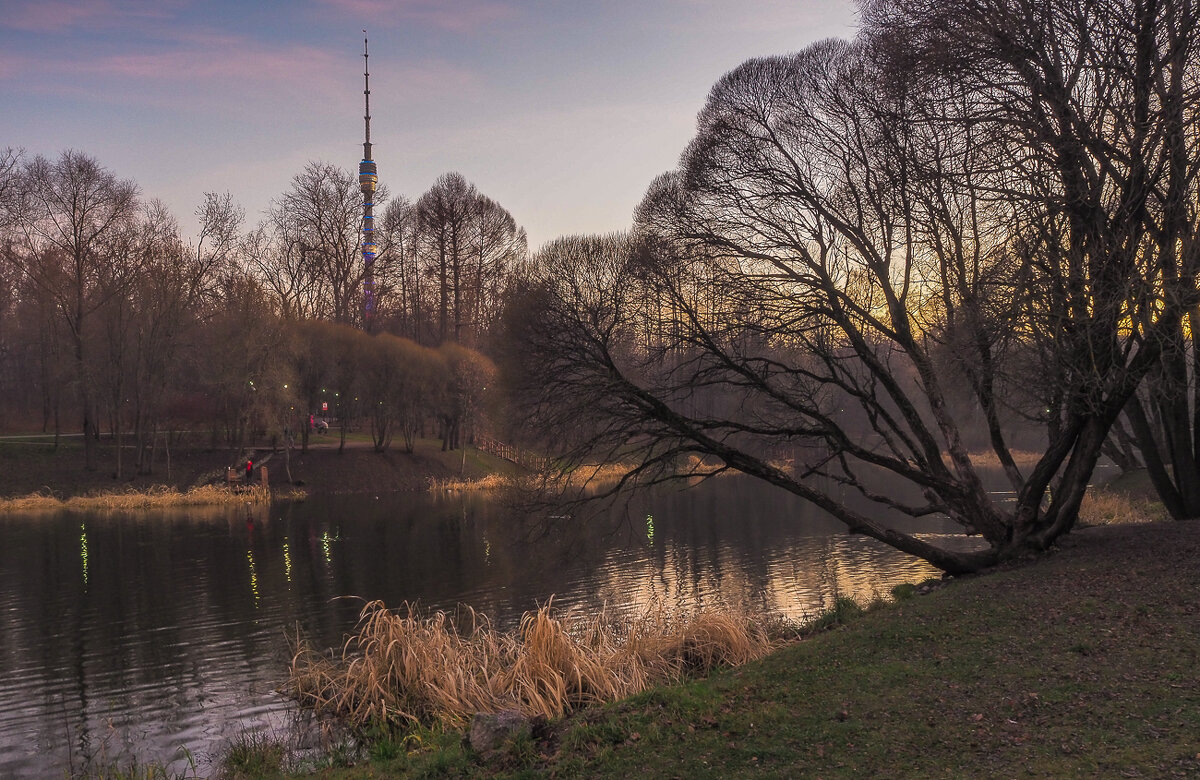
[{"x": 367, "y": 179}]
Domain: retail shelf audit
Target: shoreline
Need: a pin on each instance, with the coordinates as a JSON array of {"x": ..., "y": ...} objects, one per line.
[{"x": 33, "y": 469}]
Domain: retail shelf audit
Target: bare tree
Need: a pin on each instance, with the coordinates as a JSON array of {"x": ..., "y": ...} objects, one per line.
[
  {"x": 968, "y": 183},
  {"x": 469, "y": 246},
  {"x": 175, "y": 297},
  {"x": 71, "y": 216},
  {"x": 399, "y": 282},
  {"x": 498, "y": 250},
  {"x": 318, "y": 237},
  {"x": 221, "y": 221},
  {"x": 442, "y": 218}
]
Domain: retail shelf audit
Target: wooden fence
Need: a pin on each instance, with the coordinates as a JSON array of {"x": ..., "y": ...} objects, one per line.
[{"x": 512, "y": 453}]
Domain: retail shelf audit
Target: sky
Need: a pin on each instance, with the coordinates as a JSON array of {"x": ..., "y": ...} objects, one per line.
[{"x": 563, "y": 111}]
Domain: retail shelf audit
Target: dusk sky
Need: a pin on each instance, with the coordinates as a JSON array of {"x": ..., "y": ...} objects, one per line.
[{"x": 562, "y": 111}]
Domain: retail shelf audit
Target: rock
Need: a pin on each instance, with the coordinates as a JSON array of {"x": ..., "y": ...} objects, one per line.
[{"x": 489, "y": 730}]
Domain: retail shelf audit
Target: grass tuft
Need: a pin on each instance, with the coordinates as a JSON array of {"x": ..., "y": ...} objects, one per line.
[{"x": 253, "y": 755}]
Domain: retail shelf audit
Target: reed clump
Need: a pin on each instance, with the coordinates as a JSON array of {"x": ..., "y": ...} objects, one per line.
[
  {"x": 153, "y": 498},
  {"x": 404, "y": 668}
]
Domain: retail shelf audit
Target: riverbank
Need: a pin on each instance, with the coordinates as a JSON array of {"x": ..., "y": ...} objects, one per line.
[
  {"x": 34, "y": 467},
  {"x": 1078, "y": 664}
]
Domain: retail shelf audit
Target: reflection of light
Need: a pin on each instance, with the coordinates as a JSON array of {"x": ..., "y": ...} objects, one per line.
[
  {"x": 487, "y": 551},
  {"x": 797, "y": 583},
  {"x": 253, "y": 576},
  {"x": 287, "y": 560},
  {"x": 326, "y": 545},
  {"x": 83, "y": 552}
]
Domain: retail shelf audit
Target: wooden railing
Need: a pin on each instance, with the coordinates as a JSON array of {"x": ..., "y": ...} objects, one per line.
[{"x": 510, "y": 452}]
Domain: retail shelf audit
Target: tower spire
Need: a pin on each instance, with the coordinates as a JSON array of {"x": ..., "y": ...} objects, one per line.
[
  {"x": 366, "y": 99},
  {"x": 367, "y": 179}
]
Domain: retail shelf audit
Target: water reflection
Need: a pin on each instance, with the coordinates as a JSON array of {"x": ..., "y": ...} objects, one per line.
[
  {"x": 83, "y": 552},
  {"x": 174, "y": 635}
]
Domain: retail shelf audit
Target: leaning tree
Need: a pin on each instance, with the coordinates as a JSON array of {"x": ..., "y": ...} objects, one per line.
[{"x": 989, "y": 198}]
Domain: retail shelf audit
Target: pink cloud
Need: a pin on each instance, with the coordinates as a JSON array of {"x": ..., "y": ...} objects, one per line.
[
  {"x": 299, "y": 69},
  {"x": 460, "y": 16},
  {"x": 54, "y": 16},
  {"x": 9, "y": 66},
  {"x": 203, "y": 67},
  {"x": 35, "y": 16},
  {"x": 298, "y": 65}
]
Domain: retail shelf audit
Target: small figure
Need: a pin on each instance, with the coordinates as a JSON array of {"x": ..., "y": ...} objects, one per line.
[{"x": 249, "y": 471}]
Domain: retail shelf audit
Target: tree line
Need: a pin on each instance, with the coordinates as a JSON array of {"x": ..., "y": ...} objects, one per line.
[{"x": 110, "y": 320}]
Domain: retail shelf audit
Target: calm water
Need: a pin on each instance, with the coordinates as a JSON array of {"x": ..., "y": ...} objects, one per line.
[{"x": 139, "y": 636}]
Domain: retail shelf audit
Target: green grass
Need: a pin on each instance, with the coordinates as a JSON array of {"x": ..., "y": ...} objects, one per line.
[
  {"x": 475, "y": 465},
  {"x": 253, "y": 755},
  {"x": 1081, "y": 664}
]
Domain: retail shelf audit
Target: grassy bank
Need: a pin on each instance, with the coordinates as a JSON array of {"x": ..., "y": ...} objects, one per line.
[{"x": 1080, "y": 664}]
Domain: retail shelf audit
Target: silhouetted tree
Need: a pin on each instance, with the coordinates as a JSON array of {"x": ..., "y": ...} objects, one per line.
[{"x": 968, "y": 182}]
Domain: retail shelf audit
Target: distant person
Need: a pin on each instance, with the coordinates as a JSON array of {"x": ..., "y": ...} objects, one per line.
[{"x": 249, "y": 470}]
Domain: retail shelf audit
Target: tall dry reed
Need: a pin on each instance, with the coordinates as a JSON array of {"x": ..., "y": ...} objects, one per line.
[{"x": 404, "y": 667}]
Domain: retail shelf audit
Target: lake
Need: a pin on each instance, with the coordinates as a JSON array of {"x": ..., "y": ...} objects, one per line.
[{"x": 159, "y": 636}]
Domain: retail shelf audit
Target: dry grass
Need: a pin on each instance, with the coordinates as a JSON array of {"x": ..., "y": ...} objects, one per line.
[
  {"x": 489, "y": 482},
  {"x": 1105, "y": 507},
  {"x": 598, "y": 474},
  {"x": 403, "y": 667},
  {"x": 154, "y": 498},
  {"x": 594, "y": 475},
  {"x": 989, "y": 459}
]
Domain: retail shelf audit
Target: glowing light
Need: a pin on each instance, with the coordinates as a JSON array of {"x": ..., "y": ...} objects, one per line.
[
  {"x": 287, "y": 560},
  {"x": 650, "y": 528}
]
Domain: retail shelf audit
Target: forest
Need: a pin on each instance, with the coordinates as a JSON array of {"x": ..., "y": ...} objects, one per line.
[
  {"x": 888, "y": 259},
  {"x": 111, "y": 318}
]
